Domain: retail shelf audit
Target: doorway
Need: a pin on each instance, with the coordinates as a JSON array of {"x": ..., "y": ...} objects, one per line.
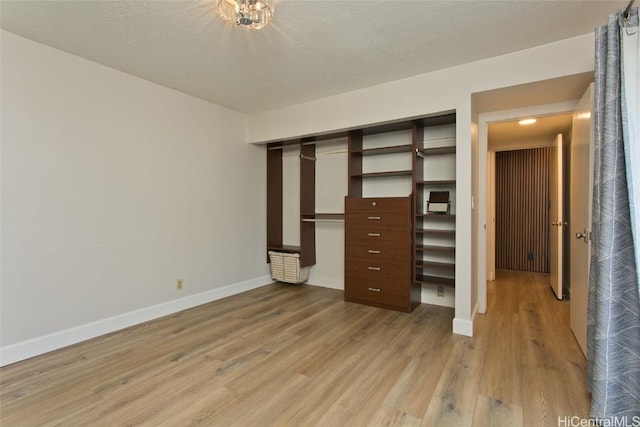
[{"x": 506, "y": 135}]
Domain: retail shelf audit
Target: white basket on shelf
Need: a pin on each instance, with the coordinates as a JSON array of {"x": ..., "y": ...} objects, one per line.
[{"x": 285, "y": 267}]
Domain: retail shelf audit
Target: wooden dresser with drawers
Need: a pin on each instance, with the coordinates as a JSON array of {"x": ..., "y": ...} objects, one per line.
[{"x": 378, "y": 250}]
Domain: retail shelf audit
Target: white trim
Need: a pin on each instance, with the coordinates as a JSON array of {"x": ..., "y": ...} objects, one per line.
[
  {"x": 463, "y": 327},
  {"x": 40, "y": 345}
]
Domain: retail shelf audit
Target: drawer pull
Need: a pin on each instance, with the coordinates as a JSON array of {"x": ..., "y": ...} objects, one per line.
[
  {"x": 374, "y": 289},
  {"x": 374, "y": 268},
  {"x": 374, "y": 234},
  {"x": 375, "y": 218},
  {"x": 374, "y": 251}
]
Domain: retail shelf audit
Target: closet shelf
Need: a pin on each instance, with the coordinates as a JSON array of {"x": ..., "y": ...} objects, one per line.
[
  {"x": 432, "y": 265},
  {"x": 440, "y": 217},
  {"x": 436, "y": 249},
  {"x": 436, "y": 280},
  {"x": 383, "y": 174},
  {"x": 437, "y": 150},
  {"x": 318, "y": 215},
  {"x": 290, "y": 249},
  {"x": 322, "y": 217},
  {"x": 437, "y": 233},
  {"x": 384, "y": 150},
  {"x": 438, "y": 182}
]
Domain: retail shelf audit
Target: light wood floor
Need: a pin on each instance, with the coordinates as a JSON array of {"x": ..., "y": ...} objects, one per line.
[{"x": 300, "y": 356}]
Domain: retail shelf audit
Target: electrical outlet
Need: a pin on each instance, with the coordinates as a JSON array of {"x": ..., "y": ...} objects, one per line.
[
  {"x": 441, "y": 291},
  {"x": 179, "y": 285}
]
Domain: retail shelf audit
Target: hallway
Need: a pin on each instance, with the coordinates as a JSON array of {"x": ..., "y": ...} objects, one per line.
[{"x": 533, "y": 364}]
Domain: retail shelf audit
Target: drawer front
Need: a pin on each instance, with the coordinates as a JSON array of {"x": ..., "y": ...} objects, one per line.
[
  {"x": 372, "y": 219},
  {"x": 378, "y": 204},
  {"x": 376, "y": 291},
  {"x": 378, "y": 251},
  {"x": 380, "y": 236},
  {"x": 372, "y": 269}
]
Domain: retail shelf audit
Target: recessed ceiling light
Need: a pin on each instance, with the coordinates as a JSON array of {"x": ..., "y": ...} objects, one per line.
[{"x": 527, "y": 121}]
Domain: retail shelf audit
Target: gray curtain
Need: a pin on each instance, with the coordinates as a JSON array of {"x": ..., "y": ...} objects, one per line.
[{"x": 613, "y": 325}]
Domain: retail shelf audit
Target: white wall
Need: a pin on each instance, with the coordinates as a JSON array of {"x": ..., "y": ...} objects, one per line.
[
  {"x": 439, "y": 91},
  {"x": 112, "y": 188}
]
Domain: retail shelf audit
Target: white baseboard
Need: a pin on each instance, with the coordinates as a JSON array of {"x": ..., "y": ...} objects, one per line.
[
  {"x": 463, "y": 327},
  {"x": 44, "y": 344}
]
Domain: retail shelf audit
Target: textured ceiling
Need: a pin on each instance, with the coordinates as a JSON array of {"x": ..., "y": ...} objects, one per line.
[{"x": 312, "y": 49}]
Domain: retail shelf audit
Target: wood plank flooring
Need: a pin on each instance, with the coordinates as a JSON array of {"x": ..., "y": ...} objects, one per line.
[{"x": 286, "y": 355}]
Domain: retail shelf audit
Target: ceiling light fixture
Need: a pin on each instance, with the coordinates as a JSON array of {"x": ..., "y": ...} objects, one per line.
[
  {"x": 249, "y": 14},
  {"x": 527, "y": 122}
]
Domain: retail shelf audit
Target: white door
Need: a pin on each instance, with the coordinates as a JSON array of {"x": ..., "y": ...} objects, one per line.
[
  {"x": 581, "y": 189},
  {"x": 556, "y": 217}
]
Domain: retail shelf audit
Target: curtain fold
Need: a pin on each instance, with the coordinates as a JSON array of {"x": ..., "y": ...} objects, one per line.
[{"x": 613, "y": 324}]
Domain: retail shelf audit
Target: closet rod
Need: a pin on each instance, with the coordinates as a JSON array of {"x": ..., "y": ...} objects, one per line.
[
  {"x": 302, "y": 156},
  {"x": 322, "y": 220}
]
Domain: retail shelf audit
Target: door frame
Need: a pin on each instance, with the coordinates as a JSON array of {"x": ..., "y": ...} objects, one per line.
[
  {"x": 484, "y": 240},
  {"x": 556, "y": 251}
]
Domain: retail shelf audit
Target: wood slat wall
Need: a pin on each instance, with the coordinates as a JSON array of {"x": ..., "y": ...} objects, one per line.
[{"x": 522, "y": 214}]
